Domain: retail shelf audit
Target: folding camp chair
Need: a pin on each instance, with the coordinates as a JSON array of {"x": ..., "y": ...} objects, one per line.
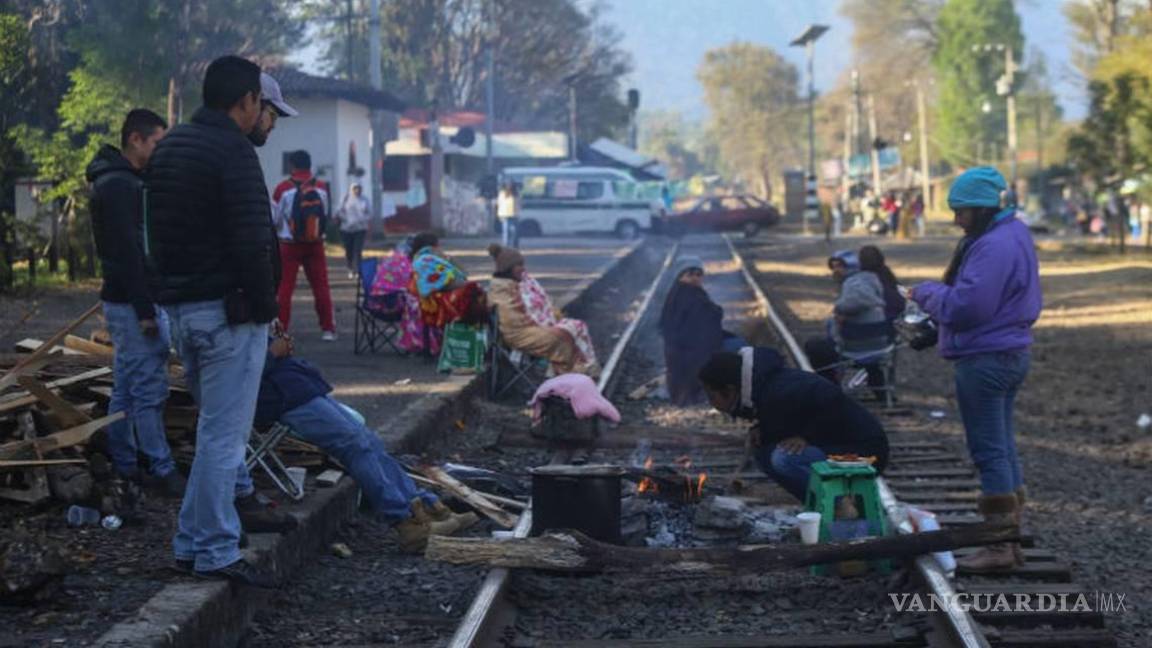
[
  {"x": 379, "y": 318},
  {"x": 856, "y": 365},
  {"x": 261, "y": 453},
  {"x": 507, "y": 367}
]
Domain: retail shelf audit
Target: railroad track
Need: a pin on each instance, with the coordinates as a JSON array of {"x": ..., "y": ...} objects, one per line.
[{"x": 929, "y": 474}]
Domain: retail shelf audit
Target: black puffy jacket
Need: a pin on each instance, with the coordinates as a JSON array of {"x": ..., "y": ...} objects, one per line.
[
  {"x": 118, "y": 227},
  {"x": 790, "y": 402},
  {"x": 209, "y": 217}
]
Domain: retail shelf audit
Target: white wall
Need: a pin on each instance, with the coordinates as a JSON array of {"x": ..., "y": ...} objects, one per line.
[
  {"x": 353, "y": 125},
  {"x": 314, "y": 130}
]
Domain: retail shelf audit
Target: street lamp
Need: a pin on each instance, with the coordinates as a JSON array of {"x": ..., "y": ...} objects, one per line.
[
  {"x": 1005, "y": 88},
  {"x": 807, "y": 40}
]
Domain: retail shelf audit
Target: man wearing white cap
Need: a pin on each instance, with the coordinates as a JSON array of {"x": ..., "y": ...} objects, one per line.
[{"x": 273, "y": 106}]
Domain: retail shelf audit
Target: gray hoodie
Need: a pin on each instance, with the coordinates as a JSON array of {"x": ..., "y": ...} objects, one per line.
[{"x": 861, "y": 301}]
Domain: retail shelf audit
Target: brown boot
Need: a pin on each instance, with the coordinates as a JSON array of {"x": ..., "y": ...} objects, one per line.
[
  {"x": 997, "y": 509},
  {"x": 455, "y": 522},
  {"x": 413, "y": 534},
  {"x": 1021, "y": 498}
]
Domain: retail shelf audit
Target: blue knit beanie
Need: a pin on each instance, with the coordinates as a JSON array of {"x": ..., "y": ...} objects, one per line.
[
  {"x": 978, "y": 187},
  {"x": 849, "y": 258}
]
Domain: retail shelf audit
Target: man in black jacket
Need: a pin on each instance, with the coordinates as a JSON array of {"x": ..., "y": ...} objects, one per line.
[
  {"x": 801, "y": 418},
  {"x": 139, "y": 331},
  {"x": 212, "y": 250}
]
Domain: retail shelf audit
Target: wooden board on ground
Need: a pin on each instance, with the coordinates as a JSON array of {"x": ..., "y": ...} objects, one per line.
[
  {"x": 36, "y": 447},
  {"x": 476, "y": 500},
  {"x": 9, "y": 378},
  {"x": 66, "y": 413}
]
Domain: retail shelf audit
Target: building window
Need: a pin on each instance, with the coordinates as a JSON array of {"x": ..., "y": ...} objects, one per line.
[{"x": 395, "y": 173}]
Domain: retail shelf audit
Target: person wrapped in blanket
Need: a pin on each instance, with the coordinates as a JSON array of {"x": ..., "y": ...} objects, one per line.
[
  {"x": 530, "y": 323},
  {"x": 445, "y": 293},
  {"x": 293, "y": 393},
  {"x": 390, "y": 291}
]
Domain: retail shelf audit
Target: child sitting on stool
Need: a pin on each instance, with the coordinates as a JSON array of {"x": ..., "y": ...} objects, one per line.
[
  {"x": 293, "y": 393},
  {"x": 800, "y": 418}
]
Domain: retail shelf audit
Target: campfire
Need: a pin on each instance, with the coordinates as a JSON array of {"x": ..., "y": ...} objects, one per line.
[{"x": 676, "y": 482}]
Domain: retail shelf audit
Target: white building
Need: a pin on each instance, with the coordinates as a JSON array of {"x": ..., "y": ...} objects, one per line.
[{"x": 333, "y": 126}]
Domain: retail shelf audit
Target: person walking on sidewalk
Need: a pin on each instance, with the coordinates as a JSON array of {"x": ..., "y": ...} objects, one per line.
[
  {"x": 214, "y": 273},
  {"x": 354, "y": 217},
  {"x": 985, "y": 308},
  {"x": 139, "y": 330},
  {"x": 301, "y": 216},
  {"x": 508, "y": 211}
]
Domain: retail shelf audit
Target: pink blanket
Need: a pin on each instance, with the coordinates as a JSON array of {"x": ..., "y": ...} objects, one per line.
[{"x": 580, "y": 392}]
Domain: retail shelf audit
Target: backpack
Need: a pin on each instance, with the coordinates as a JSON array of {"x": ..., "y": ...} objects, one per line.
[{"x": 308, "y": 218}]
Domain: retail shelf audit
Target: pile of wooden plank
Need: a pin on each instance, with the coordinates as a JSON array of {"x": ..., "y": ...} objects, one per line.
[{"x": 54, "y": 397}]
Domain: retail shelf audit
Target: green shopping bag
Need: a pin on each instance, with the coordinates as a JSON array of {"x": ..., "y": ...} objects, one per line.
[{"x": 463, "y": 349}]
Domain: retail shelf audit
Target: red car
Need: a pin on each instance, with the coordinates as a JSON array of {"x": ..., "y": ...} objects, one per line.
[{"x": 742, "y": 213}]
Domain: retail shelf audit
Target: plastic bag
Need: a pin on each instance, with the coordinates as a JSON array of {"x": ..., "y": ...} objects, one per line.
[{"x": 463, "y": 349}]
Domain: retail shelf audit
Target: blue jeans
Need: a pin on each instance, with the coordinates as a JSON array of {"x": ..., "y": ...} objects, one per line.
[
  {"x": 790, "y": 470},
  {"x": 139, "y": 389},
  {"x": 323, "y": 422},
  {"x": 986, "y": 386},
  {"x": 510, "y": 230},
  {"x": 222, "y": 368}
]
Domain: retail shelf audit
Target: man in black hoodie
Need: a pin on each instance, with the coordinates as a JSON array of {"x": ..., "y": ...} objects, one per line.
[
  {"x": 800, "y": 417},
  {"x": 139, "y": 330},
  {"x": 213, "y": 251}
]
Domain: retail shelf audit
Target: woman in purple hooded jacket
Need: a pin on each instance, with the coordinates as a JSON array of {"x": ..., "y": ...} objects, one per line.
[{"x": 985, "y": 308}]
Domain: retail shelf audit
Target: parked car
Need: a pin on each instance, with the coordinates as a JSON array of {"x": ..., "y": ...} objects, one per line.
[
  {"x": 576, "y": 200},
  {"x": 741, "y": 213}
]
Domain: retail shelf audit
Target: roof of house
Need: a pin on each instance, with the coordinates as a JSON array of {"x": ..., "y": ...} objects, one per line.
[
  {"x": 609, "y": 153},
  {"x": 293, "y": 82},
  {"x": 418, "y": 118},
  {"x": 524, "y": 145}
]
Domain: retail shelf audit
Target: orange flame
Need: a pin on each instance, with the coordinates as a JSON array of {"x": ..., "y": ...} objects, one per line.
[{"x": 647, "y": 486}]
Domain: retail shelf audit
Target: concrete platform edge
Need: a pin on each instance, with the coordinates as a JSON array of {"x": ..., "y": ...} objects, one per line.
[{"x": 193, "y": 613}]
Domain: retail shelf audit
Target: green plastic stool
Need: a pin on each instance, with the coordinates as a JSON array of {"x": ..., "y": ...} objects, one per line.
[{"x": 827, "y": 484}]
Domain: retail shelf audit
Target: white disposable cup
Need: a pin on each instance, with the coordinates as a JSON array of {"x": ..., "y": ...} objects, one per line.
[
  {"x": 297, "y": 475},
  {"x": 809, "y": 527}
]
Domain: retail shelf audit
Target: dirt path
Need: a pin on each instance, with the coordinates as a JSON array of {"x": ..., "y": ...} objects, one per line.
[{"x": 1085, "y": 460}]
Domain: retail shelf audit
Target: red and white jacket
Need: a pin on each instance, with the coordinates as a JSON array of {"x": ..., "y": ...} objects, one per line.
[{"x": 285, "y": 193}]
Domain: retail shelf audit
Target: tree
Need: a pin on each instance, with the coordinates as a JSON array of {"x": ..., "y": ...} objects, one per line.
[
  {"x": 433, "y": 51},
  {"x": 757, "y": 116},
  {"x": 666, "y": 136},
  {"x": 1038, "y": 111},
  {"x": 967, "y": 79}
]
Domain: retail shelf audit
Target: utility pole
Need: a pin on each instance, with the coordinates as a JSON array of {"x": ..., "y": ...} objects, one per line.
[
  {"x": 376, "y": 78},
  {"x": 922, "y": 125},
  {"x": 572, "y": 120},
  {"x": 436, "y": 175},
  {"x": 489, "y": 112},
  {"x": 845, "y": 176},
  {"x": 876, "y": 188}
]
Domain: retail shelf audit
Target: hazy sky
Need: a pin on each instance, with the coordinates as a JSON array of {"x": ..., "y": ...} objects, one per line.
[{"x": 668, "y": 38}]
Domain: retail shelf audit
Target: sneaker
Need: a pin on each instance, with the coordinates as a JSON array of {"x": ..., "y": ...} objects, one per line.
[
  {"x": 255, "y": 517},
  {"x": 351, "y": 275},
  {"x": 328, "y": 336},
  {"x": 242, "y": 573}
]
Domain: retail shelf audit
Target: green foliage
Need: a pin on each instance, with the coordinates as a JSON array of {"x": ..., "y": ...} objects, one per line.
[
  {"x": 13, "y": 47},
  {"x": 966, "y": 79},
  {"x": 680, "y": 145},
  {"x": 757, "y": 117}
]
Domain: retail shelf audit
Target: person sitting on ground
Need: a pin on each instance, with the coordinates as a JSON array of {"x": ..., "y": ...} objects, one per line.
[
  {"x": 858, "y": 320},
  {"x": 393, "y": 276},
  {"x": 691, "y": 324},
  {"x": 872, "y": 260},
  {"x": 293, "y": 393},
  {"x": 530, "y": 323},
  {"x": 799, "y": 417},
  {"x": 446, "y": 295}
]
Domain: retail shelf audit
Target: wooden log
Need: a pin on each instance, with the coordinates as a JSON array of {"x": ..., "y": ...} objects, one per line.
[
  {"x": 64, "y": 439},
  {"x": 473, "y": 498},
  {"x": 10, "y": 378},
  {"x": 573, "y": 551},
  {"x": 13, "y": 464},
  {"x": 77, "y": 343},
  {"x": 66, "y": 413},
  {"x": 19, "y": 400}
]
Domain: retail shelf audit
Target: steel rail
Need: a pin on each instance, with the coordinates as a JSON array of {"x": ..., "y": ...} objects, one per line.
[
  {"x": 477, "y": 619},
  {"x": 965, "y": 631}
]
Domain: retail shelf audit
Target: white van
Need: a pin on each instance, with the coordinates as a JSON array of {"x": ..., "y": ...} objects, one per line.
[{"x": 572, "y": 200}]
